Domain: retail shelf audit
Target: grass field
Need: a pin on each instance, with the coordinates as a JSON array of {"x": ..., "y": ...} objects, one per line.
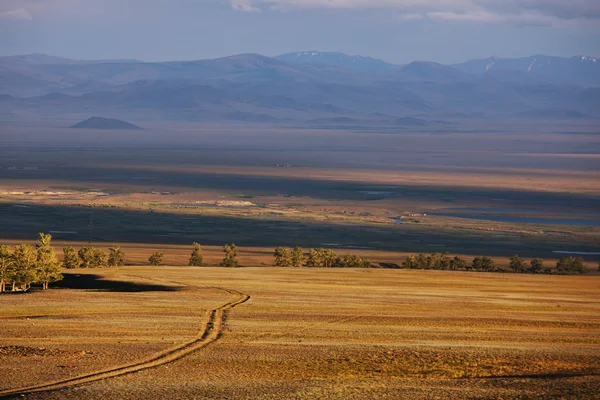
[{"x": 309, "y": 334}]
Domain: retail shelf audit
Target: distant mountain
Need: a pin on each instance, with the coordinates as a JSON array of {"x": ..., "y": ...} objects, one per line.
[
  {"x": 434, "y": 72},
  {"x": 347, "y": 90},
  {"x": 579, "y": 70},
  {"x": 104, "y": 123},
  {"x": 358, "y": 63}
]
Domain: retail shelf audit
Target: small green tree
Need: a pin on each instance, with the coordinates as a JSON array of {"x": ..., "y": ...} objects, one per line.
[
  {"x": 100, "y": 258},
  {"x": 71, "y": 258},
  {"x": 354, "y": 261},
  {"x": 283, "y": 257},
  {"x": 47, "y": 265},
  {"x": 231, "y": 256},
  {"x": 6, "y": 267},
  {"x": 483, "y": 263},
  {"x": 116, "y": 257},
  {"x": 443, "y": 262},
  {"x": 410, "y": 262},
  {"x": 196, "y": 258},
  {"x": 86, "y": 255},
  {"x": 458, "y": 263},
  {"x": 537, "y": 266},
  {"x": 156, "y": 259},
  {"x": 517, "y": 264},
  {"x": 297, "y": 257},
  {"x": 570, "y": 265},
  {"x": 423, "y": 261},
  {"x": 24, "y": 263},
  {"x": 322, "y": 258}
]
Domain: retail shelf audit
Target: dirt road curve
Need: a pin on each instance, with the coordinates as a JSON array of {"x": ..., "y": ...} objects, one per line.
[{"x": 212, "y": 324}]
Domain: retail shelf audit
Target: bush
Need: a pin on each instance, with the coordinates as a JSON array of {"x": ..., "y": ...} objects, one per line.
[
  {"x": 283, "y": 257},
  {"x": 92, "y": 257},
  {"x": 570, "y": 266},
  {"x": 322, "y": 258},
  {"x": 354, "y": 261},
  {"x": 116, "y": 257},
  {"x": 517, "y": 264},
  {"x": 156, "y": 259},
  {"x": 537, "y": 266},
  {"x": 484, "y": 263}
]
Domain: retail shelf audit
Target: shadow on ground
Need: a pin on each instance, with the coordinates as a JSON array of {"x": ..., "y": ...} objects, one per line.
[{"x": 97, "y": 282}]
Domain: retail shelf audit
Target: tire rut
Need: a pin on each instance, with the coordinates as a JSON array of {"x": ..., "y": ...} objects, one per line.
[{"x": 211, "y": 327}]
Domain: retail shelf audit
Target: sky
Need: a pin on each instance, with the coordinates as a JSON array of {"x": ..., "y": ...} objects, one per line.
[{"x": 398, "y": 31}]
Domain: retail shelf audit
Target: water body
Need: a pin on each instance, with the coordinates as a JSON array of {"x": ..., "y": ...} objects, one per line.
[{"x": 521, "y": 219}]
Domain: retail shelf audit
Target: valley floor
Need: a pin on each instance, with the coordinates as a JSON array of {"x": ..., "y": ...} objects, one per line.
[{"x": 309, "y": 334}]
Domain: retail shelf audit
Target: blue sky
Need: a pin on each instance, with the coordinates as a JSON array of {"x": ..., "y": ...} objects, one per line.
[{"x": 398, "y": 31}]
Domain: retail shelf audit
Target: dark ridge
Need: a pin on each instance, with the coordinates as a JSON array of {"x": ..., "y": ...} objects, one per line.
[{"x": 104, "y": 123}]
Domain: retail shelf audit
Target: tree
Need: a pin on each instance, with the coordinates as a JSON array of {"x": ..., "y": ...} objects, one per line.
[
  {"x": 517, "y": 264},
  {"x": 570, "y": 265},
  {"x": 423, "y": 261},
  {"x": 410, "y": 262},
  {"x": 537, "y": 266},
  {"x": 322, "y": 258},
  {"x": 297, "y": 257},
  {"x": 156, "y": 259},
  {"x": 354, "y": 261},
  {"x": 283, "y": 257},
  {"x": 116, "y": 257},
  {"x": 86, "y": 255},
  {"x": 443, "y": 262},
  {"x": 483, "y": 263},
  {"x": 47, "y": 265},
  {"x": 457, "y": 263},
  {"x": 71, "y": 258},
  {"x": 24, "y": 263},
  {"x": 6, "y": 267},
  {"x": 196, "y": 258},
  {"x": 92, "y": 257},
  {"x": 598, "y": 266},
  {"x": 231, "y": 256}
]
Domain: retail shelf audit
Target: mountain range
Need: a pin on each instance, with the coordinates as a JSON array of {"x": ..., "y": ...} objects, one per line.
[{"x": 306, "y": 87}]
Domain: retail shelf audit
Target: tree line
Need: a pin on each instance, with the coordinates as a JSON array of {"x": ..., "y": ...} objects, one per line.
[
  {"x": 317, "y": 258},
  {"x": 443, "y": 261},
  {"x": 27, "y": 265}
]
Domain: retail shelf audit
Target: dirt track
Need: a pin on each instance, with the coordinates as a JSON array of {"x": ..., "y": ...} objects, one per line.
[{"x": 211, "y": 327}]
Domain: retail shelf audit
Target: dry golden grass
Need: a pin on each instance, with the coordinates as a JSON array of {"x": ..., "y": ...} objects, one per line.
[{"x": 319, "y": 334}]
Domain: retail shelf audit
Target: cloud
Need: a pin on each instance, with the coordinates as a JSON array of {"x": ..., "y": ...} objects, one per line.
[
  {"x": 244, "y": 5},
  {"x": 20, "y": 14},
  {"x": 516, "y": 12}
]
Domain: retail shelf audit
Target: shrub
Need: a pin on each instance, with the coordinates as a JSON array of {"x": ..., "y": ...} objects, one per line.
[
  {"x": 354, "y": 261},
  {"x": 116, "y": 257},
  {"x": 570, "y": 265},
  {"x": 156, "y": 259}
]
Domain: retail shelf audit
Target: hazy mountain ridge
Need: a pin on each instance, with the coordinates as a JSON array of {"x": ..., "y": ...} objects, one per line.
[{"x": 251, "y": 87}]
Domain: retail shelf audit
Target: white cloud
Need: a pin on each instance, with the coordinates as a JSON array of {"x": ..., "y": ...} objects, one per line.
[
  {"x": 244, "y": 5},
  {"x": 516, "y": 12},
  {"x": 20, "y": 14}
]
